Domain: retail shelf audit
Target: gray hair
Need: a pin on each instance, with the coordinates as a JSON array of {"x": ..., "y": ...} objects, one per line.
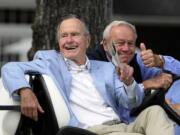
[
  {"x": 71, "y": 16},
  {"x": 118, "y": 23}
]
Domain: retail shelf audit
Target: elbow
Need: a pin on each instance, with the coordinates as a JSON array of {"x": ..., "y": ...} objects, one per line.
[{"x": 6, "y": 68}]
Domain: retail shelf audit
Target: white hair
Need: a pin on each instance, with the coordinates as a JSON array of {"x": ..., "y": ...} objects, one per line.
[{"x": 118, "y": 23}]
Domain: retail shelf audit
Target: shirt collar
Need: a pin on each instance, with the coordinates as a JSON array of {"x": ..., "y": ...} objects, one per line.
[{"x": 72, "y": 66}]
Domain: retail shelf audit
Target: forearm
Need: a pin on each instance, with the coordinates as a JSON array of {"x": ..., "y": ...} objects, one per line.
[
  {"x": 171, "y": 65},
  {"x": 167, "y": 63}
]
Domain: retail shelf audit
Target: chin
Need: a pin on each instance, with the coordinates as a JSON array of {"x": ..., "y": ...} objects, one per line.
[
  {"x": 69, "y": 56},
  {"x": 125, "y": 61}
]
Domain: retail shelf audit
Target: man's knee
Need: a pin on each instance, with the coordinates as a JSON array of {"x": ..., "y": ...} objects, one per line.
[{"x": 155, "y": 108}]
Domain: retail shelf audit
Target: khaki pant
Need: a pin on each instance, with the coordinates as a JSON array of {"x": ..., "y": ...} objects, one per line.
[{"x": 151, "y": 121}]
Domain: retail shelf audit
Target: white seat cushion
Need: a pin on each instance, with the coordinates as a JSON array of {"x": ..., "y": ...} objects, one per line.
[
  {"x": 9, "y": 120},
  {"x": 60, "y": 107}
]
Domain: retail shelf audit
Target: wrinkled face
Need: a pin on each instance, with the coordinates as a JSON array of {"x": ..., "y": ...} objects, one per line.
[
  {"x": 124, "y": 40},
  {"x": 72, "y": 41}
]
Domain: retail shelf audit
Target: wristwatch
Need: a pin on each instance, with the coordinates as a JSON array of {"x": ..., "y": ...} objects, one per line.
[{"x": 162, "y": 61}]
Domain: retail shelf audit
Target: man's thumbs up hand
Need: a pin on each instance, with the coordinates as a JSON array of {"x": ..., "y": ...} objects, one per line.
[{"x": 147, "y": 56}]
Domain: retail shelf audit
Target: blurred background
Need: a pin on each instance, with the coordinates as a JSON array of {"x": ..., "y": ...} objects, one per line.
[
  {"x": 16, "y": 17},
  {"x": 157, "y": 23}
]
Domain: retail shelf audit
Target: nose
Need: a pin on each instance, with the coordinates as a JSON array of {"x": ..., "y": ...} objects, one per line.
[
  {"x": 125, "y": 47},
  {"x": 69, "y": 39}
]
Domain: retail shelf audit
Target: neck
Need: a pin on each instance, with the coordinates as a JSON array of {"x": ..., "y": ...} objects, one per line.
[{"x": 81, "y": 61}]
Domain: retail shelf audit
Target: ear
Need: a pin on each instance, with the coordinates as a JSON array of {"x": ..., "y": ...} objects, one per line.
[
  {"x": 58, "y": 44},
  {"x": 88, "y": 41},
  {"x": 104, "y": 43}
]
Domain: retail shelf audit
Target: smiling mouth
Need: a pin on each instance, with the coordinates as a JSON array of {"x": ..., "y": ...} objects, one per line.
[{"x": 70, "y": 47}]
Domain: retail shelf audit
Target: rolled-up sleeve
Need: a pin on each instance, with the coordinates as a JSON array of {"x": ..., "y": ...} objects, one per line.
[
  {"x": 13, "y": 73},
  {"x": 129, "y": 96}
]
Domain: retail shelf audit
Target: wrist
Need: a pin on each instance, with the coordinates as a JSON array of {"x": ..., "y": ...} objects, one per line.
[
  {"x": 131, "y": 81},
  {"x": 161, "y": 61},
  {"x": 20, "y": 91},
  {"x": 145, "y": 85}
]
